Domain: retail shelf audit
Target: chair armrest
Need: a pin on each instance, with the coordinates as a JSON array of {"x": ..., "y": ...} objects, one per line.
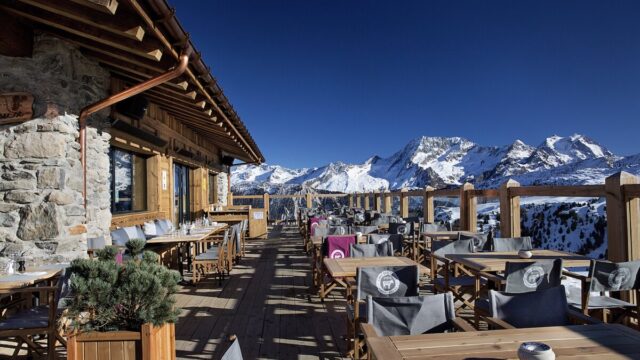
[
  {"x": 582, "y": 318},
  {"x": 368, "y": 330},
  {"x": 462, "y": 325},
  {"x": 501, "y": 324}
]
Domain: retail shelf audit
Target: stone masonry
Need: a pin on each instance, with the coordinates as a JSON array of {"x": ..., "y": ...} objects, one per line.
[{"x": 40, "y": 169}]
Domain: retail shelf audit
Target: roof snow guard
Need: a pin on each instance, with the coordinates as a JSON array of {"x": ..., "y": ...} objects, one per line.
[{"x": 137, "y": 40}]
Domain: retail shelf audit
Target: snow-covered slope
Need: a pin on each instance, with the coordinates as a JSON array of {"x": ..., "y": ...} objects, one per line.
[{"x": 442, "y": 161}]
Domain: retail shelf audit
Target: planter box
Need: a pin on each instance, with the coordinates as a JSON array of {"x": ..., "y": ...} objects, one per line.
[{"x": 150, "y": 343}]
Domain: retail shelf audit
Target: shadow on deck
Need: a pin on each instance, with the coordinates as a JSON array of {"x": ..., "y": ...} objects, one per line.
[{"x": 268, "y": 303}]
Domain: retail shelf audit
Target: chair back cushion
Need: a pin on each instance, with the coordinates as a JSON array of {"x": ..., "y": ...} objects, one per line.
[
  {"x": 532, "y": 309},
  {"x": 165, "y": 226},
  {"x": 151, "y": 229},
  {"x": 412, "y": 315},
  {"x": 96, "y": 243},
  {"x": 530, "y": 276},
  {"x": 443, "y": 247},
  {"x": 512, "y": 244},
  {"x": 364, "y": 229},
  {"x": 481, "y": 242},
  {"x": 609, "y": 276},
  {"x": 119, "y": 237},
  {"x": 338, "y": 246},
  {"x": 387, "y": 281},
  {"x": 339, "y": 230},
  {"x": 395, "y": 239},
  {"x": 371, "y": 250},
  {"x": 433, "y": 227},
  {"x": 400, "y": 228},
  {"x": 320, "y": 231}
]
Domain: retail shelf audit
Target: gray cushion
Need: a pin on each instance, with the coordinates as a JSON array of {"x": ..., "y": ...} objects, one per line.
[
  {"x": 598, "y": 302},
  {"x": 444, "y": 247},
  {"x": 211, "y": 254},
  {"x": 411, "y": 315},
  {"x": 512, "y": 244},
  {"x": 119, "y": 237},
  {"x": 96, "y": 243},
  {"x": 395, "y": 239},
  {"x": 371, "y": 250},
  {"x": 37, "y": 317},
  {"x": 533, "y": 309}
]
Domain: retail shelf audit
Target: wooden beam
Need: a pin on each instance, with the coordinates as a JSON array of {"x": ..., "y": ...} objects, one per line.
[
  {"x": 16, "y": 38},
  {"x": 556, "y": 190},
  {"x": 126, "y": 25},
  {"x": 105, "y": 6},
  {"x": 147, "y": 49}
]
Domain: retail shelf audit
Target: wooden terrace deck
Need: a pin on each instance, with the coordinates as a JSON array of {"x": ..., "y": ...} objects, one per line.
[{"x": 267, "y": 303}]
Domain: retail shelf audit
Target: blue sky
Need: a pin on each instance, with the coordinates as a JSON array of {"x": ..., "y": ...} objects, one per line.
[{"x": 321, "y": 81}]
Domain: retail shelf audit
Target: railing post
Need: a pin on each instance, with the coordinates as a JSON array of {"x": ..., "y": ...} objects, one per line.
[
  {"x": 622, "y": 218},
  {"x": 468, "y": 208},
  {"x": 509, "y": 210},
  {"x": 366, "y": 200},
  {"x": 377, "y": 200},
  {"x": 350, "y": 201},
  {"x": 427, "y": 206},
  {"x": 404, "y": 203},
  {"x": 265, "y": 201},
  {"x": 387, "y": 202},
  {"x": 229, "y": 198},
  {"x": 309, "y": 200},
  {"x": 358, "y": 200}
]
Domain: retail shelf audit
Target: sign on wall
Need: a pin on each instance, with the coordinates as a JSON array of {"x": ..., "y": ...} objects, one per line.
[
  {"x": 258, "y": 215},
  {"x": 15, "y": 107},
  {"x": 164, "y": 180}
]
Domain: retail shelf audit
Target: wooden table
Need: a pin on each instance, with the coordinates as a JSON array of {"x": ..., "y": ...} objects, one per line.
[
  {"x": 603, "y": 341},
  {"x": 18, "y": 280},
  {"x": 339, "y": 269},
  {"x": 197, "y": 235},
  {"x": 497, "y": 261}
]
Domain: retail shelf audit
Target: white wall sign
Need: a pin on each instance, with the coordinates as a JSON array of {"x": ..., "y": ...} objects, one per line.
[
  {"x": 258, "y": 215},
  {"x": 164, "y": 179}
]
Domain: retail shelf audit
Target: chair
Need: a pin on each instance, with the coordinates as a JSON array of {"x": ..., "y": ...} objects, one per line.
[
  {"x": 233, "y": 352},
  {"x": 120, "y": 236},
  {"x": 395, "y": 239},
  {"x": 365, "y": 230},
  {"x": 429, "y": 227},
  {"x": 371, "y": 250},
  {"x": 521, "y": 277},
  {"x": 512, "y": 244},
  {"x": 481, "y": 242},
  {"x": 401, "y": 228},
  {"x": 449, "y": 276},
  {"x": 533, "y": 309},
  {"x": 39, "y": 320},
  {"x": 339, "y": 230},
  {"x": 337, "y": 246},
  {"x": 412, "y": 315},
  {"x": 214, "y": 258},
  {"x": 94, "y": 244},
  {"x": 378, "y": 281},
  {"x": 609, "y": 277}
]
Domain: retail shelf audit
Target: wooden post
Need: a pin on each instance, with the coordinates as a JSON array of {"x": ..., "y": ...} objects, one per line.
[
  {"x": 265, "y": 201},
  {"x": 622, "y": 219},
  {"x": 404, "y": 203},
  {"x": 377, "y": 201},
  {"x": 387, "y": 202},
  {"x": 509, "y": 210},
  {"x": 358, "y": 200},
  {"x": 309, "y": 200},
  {"x": 366, "y": 200},
  {"x": 350, "y": 201},
  {"x": 468, "y": 209},
  {"x": 427, "y": 206},
  {"x": 229, "y": 198}
]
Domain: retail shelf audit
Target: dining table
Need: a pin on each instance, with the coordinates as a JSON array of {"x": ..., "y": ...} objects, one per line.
[
  {"x": 600, "y": 341},
  {"x": 340, "y": 269},
  {"x": 187, "y": 240}
]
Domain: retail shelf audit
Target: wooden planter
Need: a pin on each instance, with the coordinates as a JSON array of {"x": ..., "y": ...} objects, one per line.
[{"x": 150, "y": 343}]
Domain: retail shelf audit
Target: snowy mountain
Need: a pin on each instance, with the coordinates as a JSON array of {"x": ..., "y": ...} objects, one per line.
[{"x": 441, "y": 162}]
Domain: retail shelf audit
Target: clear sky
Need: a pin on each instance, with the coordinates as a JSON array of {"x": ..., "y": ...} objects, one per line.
[{"x": 320, "y": 81}]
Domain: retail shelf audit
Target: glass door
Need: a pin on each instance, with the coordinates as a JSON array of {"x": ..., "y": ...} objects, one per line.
[{"x": 181, "y": 196}]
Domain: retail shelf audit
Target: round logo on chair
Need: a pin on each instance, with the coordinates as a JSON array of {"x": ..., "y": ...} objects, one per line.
[
  {"x": 387, "y": 282},
  {"x": 619, "y": 277},
  {"x": 337, "y": 254},
  {"x": 402, "y": 229},
  {"x": 342, "y": 230},
  {"x": 533, "y": 277}
]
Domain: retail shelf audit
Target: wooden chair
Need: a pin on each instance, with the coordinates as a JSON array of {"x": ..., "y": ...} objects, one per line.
[
  {"x": 39, "y": 320},
  {"x": 214, "y": 259}
]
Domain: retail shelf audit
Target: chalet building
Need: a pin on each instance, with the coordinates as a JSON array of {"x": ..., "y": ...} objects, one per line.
[{"x": 107, "y": 113}]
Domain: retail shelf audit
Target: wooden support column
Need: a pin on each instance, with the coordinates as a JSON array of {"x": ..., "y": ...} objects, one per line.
[
  {"x": 387, "y": 202},
  {"x": 468, "y": 208},
  {"x": 427, "y": 206},
  {"x": 159, "y": 184},
  {"x": 265, "y": 201},
  {"x": 366, "y": 200},
  {"x": 229, "y": 198},
  {"x": 404, "y": 203},
  {"x": 358, "y": 200},
  {"x": 622, "y": 218},
  {"x": 509, "y": 210},
  {"x": 350, "y": 201},
  {"x": 309, "y": 200},
  {"x": 377, "y": 201}
]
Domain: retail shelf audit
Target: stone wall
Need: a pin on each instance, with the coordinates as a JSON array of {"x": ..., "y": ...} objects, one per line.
[
  {"x": 223, "y": 188},
  {"x": 40, "y": 169}
]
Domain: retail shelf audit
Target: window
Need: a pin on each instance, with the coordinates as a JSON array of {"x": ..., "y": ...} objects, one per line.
[
  {"x": 213, "y": 188},
  {"x": 128, "y": 181}
]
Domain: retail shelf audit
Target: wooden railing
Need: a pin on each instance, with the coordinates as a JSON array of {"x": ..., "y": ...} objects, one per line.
[{"x": 621, "y": 190}]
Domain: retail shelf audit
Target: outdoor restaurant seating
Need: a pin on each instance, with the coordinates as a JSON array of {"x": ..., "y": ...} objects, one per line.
[
  {"x": 606, "y": 278},
  {"x": 337, "y": 246},
  {"x": 38, "y": 320},
  {"x": 539, "y": 308},
  {"x": 215, "y": 258},
  {"x": 447, "y": 275},
  {"x": 520, "y": 277},
  {"x": 378, "y": 281},
  {"x": 371, "y": 250}
]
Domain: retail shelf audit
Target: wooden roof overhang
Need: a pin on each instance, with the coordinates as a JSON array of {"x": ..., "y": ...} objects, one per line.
[{"x": 137, "y": 40}]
